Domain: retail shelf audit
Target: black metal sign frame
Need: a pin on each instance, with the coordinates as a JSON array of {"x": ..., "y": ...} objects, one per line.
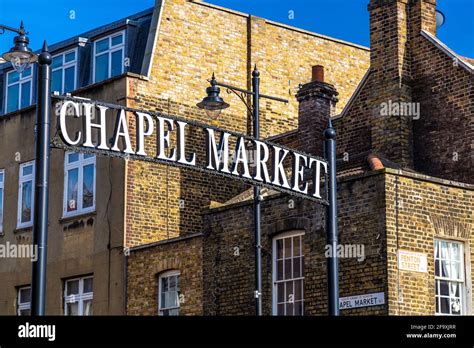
[{"x": 58, "y": 143}]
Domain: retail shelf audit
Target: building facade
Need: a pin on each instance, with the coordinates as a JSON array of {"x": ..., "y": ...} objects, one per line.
[{"x": 137, "y": 238}]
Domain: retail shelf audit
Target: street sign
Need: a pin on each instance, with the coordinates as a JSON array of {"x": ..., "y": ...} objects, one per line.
[
  {"x": 227, "y": 153},
  {"x": 411, "y": 261},
  {"x": 358, "y": 301}
]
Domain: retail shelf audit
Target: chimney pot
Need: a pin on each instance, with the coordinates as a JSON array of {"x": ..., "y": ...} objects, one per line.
[{"x": 317, "y": 73}]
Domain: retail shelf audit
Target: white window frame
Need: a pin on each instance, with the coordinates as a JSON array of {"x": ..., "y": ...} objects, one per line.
[
  {"x": 2, "y": 200},
  {"x": 160, "y": 277},
  {"x": 274, "y": 267},
  {"x": 79, "y": 165},
  {"x": 109, "y": 52},
  {"x": 22, "y": 306},
  {"x": 20, "y": 81},
  {"x": 22, "y": 179},
  {"x": 64, "y": 66},
  {"x": 463, "y": 284},
  {"x": 81, "y": 297}
]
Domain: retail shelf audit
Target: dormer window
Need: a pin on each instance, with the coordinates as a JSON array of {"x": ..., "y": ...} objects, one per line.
[
  {"x": 19, "y": 90},
  {"x": 64, "y": 69},
  {"x": 109, "y": 56}
]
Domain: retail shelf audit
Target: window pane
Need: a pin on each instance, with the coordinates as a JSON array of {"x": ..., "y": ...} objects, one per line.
[
  {"x": 88, "y": 155},
  {"x": 72, "y": 187},
  {"x": 287, "y": 248},
  {"x": 455, "y": 306},
  {"x": 443, "y": 288},
  {"x": 24, "y": 312},
  {"x": 117, "y": 40},
  {"x": 298, "y": 290},
  {"x": 164, "y": 284},
  {"x": 73, "y": 157},
  {"x": 101, "y": 67},
  {"x": 72, "y": 287},
  {"x": 57, "y": 62},
  {"x": 70, "y": 56},
  {"x": 72, "y": 308},
  {"x": 280, "y": 270},
  {"x": 288, "y": 268},
  {"x": 26, "y": 191},
  {"x": 296, "y": 246},
  {"x": 88, "y": 282},
  {"x": 279, "y": 245},
  {"x": 173, "y": 283},
  {"x": 25, "y": 295},
  {"x": 102, "y": 45},
  {"x": 56, "y": 82},
  {"x": 69, "y": 80},
  {"x": 25, "y": 94},
  {"x": 296, "y": 267},
  {"x": 456, "y": 252},
  {"x": 13, "y": 77},
  {"x": 437, "y": 268},
  {"x": 27, "y": 170},
  {"x": 289, "y": 308},
  {"x": 444, "y": 305},
  {"x": 88, "y": 187},
  {"x": 117, "y": 63},
  {"x": 26, "y": 72},
  {"x": 281, "y": 292},
  {"x": 13, "y": 97},
  {"x": 1, "y": 177},
  {"x": 87, "y": 307},
  {"x": 444, "y": 268},
  {"x": 290, "y": 294}
]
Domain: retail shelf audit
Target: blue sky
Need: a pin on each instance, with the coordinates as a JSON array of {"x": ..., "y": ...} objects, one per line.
[{"x": 56, "y": 20}]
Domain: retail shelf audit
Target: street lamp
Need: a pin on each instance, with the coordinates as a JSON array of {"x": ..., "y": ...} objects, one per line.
[
  {"x": 213, "y": 104},
  {"x": 21, "y": 56}
]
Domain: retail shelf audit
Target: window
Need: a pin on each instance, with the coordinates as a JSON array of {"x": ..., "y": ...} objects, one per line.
[
  {"x": 449, "y": 277},
  {"x": 24, "y": 301},
  {"x": 109, "y": 56},
  {"x": 19, "y": 90},
  {"x": 168, "y": 293},
  {"x": 64, "y": 72},
  {"x": 78, "y": 296},
  {"x": 2, "y": 185},
  {"x": 288, "y": 274},
  {"x": 25, "y": 194},
  {"x": 79, "y": 183}
]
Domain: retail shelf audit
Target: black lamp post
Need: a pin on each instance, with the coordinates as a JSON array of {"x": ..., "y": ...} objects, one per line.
[
  {"x": 21, "y": 57},
  {"x": 214, "y": 104}
]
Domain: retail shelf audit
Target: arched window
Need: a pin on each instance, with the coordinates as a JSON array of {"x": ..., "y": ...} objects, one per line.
[
  {"x": 168, "y": 293},
  {"x": 288, "y": 274}
]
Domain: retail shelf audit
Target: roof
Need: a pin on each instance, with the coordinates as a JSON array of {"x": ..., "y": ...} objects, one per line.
[{"x": 134, "y": 19}]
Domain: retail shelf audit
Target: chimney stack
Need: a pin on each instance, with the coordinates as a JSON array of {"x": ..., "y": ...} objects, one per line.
[
  {"x": 317, "y": 101},
  {"x": 395, "y": 27}
]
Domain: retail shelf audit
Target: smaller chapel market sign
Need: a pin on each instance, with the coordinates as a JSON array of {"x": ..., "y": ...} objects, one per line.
[{"x": 227, "y": 153}]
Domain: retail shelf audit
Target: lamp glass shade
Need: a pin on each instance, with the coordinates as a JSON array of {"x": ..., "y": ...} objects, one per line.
[
  {"x": 20, "y": 55},
  {"x": 213, "y": 104}
]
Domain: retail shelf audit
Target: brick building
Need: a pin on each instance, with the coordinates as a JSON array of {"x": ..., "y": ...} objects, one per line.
[{"x": 164, "y": 240}]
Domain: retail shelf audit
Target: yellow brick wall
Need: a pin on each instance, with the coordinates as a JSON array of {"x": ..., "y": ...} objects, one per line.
[
  {"x": 194, "y": 40},
  {"x": 427, "y": 210}
]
